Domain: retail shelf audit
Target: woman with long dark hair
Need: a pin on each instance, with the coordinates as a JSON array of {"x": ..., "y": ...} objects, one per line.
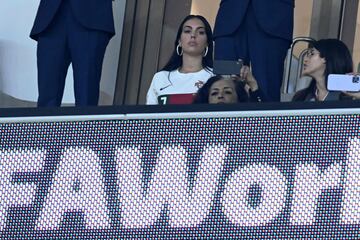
[
  {"x": 324, "y": 57},
  {"x": 189, "y": 67}
]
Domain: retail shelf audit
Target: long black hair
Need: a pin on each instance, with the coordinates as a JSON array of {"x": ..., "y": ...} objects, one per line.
[
  {"x": 176, "y": 61},
  {"x": 202, "y": 95},
  {"x": 338, "y": 60}
]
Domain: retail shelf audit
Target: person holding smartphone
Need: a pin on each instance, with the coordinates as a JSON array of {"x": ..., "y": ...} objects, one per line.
[
  {"x": 259, "y": 32},
  {"x": 226, "y": 89},
  {"x": 324, "y": 57}
]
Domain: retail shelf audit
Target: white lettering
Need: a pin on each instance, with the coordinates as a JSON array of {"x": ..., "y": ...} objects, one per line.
[
  {"x": 78, "y": 185},
  {"x": 17, "y": 194},
  {"x": 235, "y": 200},
  {"x": 168, "y": 186},
  {"x": 308, "y": 185},
  {"x": 350, "y": 212}
]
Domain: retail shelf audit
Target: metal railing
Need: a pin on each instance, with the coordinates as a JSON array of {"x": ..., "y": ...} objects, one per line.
[{"x": 289, "y": 61}]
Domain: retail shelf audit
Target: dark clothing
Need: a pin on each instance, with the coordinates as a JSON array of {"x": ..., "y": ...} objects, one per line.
[
  {"x": 71, "y": 31},
  {"x": 91, "y": 14},
  {"x": 258, "y": 32},
  {"x": 306, "y": 95},
  {"x": 256, "y": 96}
]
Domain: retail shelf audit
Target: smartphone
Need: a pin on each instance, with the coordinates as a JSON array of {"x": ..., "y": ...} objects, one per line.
[
  {"x": 343, "y": 82},
  {"x": 227, "y": 67}
]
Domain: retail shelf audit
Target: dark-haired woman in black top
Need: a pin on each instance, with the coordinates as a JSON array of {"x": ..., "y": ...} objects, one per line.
[{"x": 324, "y": 57}]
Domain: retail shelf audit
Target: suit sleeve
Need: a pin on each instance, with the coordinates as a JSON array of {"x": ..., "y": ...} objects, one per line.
[{"x": 257, "y": 96}]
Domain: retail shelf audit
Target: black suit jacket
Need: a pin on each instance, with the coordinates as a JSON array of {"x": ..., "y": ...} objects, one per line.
[
  {"x": 92, "y": 14},
  {"x": 274, "y": 16}
]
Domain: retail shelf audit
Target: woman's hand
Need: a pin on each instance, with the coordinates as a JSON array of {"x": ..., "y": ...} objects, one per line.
[
  {"x": 354, "y": 95},
  {"x": 248, "y": 78}
]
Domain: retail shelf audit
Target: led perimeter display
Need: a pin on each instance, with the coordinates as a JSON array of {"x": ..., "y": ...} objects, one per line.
[{"x": 260, "y": 177}]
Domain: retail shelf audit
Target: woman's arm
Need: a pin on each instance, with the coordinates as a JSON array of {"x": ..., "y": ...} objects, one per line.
[
  {"x": 255, "y": 93},
  {"x": 248, "y": 78}
]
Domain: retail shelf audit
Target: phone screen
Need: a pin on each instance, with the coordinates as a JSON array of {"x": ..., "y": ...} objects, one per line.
[
  {"x": 227, "y": 67},
  {"x": 343, "y": 82}
]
